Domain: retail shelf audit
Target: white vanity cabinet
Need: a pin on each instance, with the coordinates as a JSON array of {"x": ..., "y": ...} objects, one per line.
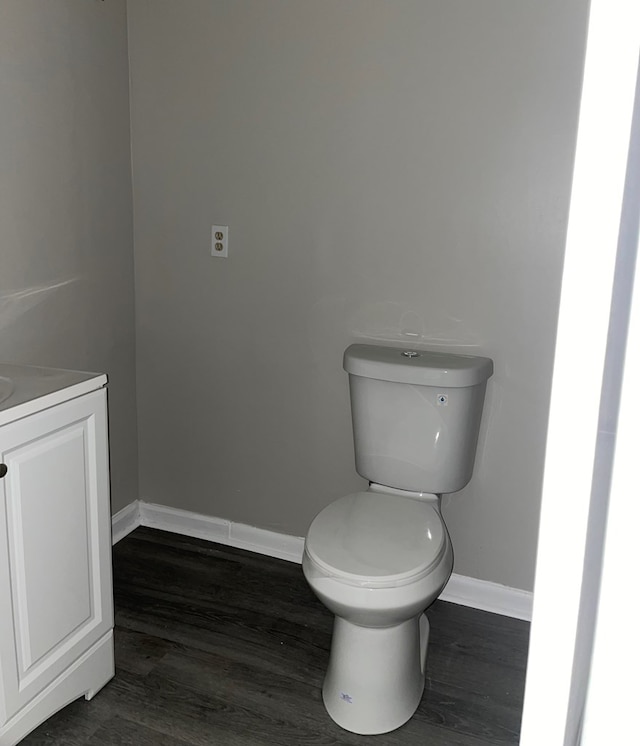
[{"x": 56, "y": 607}]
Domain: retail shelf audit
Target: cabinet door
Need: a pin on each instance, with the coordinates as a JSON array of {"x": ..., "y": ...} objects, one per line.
[{"x": 55, "y": 544}]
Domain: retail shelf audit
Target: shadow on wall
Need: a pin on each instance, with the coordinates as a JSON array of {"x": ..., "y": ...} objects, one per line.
[
  {"x": 393, "y": 322},
  {"x": 16, "y": 303},
  {"x": 388, "y": 322}
]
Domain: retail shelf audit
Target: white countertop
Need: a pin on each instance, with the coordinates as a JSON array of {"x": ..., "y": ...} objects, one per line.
[{"x": 25, "y": 389}]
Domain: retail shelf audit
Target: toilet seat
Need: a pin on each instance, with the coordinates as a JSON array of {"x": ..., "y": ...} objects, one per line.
[{"x": 377, "y": 540}]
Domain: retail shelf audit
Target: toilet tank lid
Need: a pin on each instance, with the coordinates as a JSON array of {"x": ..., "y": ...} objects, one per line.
[{"x": 416, "y": 366}]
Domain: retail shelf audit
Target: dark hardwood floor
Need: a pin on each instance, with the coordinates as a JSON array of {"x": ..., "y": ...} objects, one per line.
[{"x": 216, "y": 645}]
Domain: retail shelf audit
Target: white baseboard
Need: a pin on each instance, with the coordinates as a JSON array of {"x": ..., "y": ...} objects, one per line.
[
  {"x": 486, "y": 596},
  {"x": 462, "y": 590},
  {"x": 125, "y": 521},
  {"x": 259, "y": 540}
]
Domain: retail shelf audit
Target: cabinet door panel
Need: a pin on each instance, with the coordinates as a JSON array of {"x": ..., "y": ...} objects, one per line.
[
  {"x": 47, "y": 522},
  {"x": 56, "y": 510}
]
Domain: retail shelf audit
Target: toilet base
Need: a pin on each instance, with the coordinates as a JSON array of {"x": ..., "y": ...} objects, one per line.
[{"x": 375, "y": 677}]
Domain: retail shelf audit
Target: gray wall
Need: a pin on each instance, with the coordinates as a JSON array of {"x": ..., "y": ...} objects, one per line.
[
  {"x": 396, "y": 172},
  {"x": 66, "y": 255}
]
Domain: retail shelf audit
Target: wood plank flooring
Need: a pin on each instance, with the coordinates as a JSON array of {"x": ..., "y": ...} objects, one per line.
[{"x": 216, "y": 645}]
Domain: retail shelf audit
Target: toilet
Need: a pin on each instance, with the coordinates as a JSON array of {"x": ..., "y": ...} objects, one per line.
[{"x": 377, "y": 559}]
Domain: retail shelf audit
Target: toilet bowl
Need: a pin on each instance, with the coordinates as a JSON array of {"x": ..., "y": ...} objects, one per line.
[{"x": 377, "y": 560}]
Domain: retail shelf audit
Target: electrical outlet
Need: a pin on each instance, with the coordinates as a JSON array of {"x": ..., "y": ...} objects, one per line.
[{"x": 220, "y": 240}]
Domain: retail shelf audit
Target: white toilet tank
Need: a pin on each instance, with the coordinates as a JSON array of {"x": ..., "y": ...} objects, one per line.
[{"x": 416, "y": 415}]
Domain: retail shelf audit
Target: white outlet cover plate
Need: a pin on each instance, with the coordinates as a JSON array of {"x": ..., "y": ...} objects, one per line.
[{"x": 216, "y": 240}]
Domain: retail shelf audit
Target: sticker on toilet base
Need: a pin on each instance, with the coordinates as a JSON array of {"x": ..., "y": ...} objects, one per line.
[{"x": 346, "y": 697}]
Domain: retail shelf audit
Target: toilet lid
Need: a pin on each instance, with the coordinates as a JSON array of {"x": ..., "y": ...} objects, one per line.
[{"x": 375, "y": 539}]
